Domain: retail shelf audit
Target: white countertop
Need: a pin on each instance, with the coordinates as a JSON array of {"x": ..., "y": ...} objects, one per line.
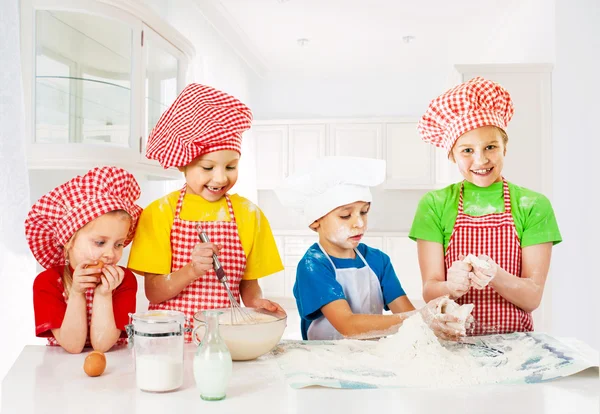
[{"x": 48, "y": 380}]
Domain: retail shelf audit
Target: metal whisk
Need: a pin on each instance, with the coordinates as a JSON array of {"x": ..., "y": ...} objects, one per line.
[{"x": 239, "y": 315}]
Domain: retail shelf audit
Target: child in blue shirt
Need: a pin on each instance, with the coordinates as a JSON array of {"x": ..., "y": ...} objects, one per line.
[{"x": 342, "y": 286}]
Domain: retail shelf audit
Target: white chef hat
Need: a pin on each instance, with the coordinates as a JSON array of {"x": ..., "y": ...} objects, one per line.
[{"x": 330, "y": 182}]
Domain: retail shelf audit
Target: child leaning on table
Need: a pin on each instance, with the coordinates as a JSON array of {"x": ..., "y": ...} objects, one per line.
[
  {"x": 342, "y": 286},
  {"x": 201, "y": 135},
  {"x": 77, "y": 232}
]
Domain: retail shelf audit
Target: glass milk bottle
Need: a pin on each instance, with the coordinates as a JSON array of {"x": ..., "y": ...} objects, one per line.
[
  {"x": 157, "y": 338},
  {"x": 212, "y": 362}
]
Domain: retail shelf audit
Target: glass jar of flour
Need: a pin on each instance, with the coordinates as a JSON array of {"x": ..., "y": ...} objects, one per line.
[{"x": 157, "y": 338}]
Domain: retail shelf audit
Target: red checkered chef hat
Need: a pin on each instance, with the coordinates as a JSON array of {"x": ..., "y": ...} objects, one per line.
[
  {"x": 472, "y": 104},
  {"x": 56, "y": 216},
  {"x": 201, "y": 120}
]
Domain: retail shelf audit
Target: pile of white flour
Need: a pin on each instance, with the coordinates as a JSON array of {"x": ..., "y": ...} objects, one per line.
[{"x": 414, "y": 357}]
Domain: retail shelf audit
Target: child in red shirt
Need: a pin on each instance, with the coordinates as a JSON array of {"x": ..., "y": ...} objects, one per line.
[{"x": 77, "y": 232}]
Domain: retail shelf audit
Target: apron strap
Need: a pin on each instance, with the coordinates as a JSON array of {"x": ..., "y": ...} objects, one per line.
[
  {"x": 180, "y": 201},
  {"x": 326, "y": 255},
  {"x": 331, "y": 261},
  {"x": 506, "y": 195}
]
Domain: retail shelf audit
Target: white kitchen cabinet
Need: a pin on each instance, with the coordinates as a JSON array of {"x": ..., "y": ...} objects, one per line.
[
  {"x": 357, "y": 140},
  {"x": 403, "y": 254},
  {"x": 284, "y": 146},
  {"x": 96, "y": 77},
  {"x": 272, "y": 155},
  {"x": 410, "y": 162},
  {"x": 372, "y": 241},
  {"x": 306, "y": 143}
]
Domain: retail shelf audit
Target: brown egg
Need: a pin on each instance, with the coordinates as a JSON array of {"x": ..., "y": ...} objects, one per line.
[
  {"x": 94, "y": 364},
  {"x": 100, "y": 265}
]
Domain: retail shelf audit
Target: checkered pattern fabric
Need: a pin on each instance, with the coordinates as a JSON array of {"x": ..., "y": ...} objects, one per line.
[
  {"x": 56, "y": 216},
  {"x": 201, "y": 120},
  {"x": 472, "y": 104},
  {"x": 493, "y": 235},
  {"x": 89, "y": 301},
  {"x": 206, "y": 292}
]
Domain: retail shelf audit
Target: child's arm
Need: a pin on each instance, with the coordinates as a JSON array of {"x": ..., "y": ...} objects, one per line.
[
  {"x": 525, "y": 291},
  {"x": 73, "y": 331},
  {"x": 349, "y": 324},
  {"x": 160, "y": 288},
  {"x": 401, "y": 304},
  {"x": 433, "y": 272},
  {"x": 251, "y": 294},
  {"x": 103, "y": 330}
]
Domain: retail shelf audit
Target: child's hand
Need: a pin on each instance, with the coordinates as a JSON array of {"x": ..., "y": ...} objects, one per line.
[
  {"x": 268, "y": 305},
  {"x": 482, "y": 276},
  {"x": 457, "y": 279},
  {"x": 202, "y": 258},
  {"x": 84, "y": 278},
  {"x": 438, "y": 322},
  {"x": 111, "y": 278}
]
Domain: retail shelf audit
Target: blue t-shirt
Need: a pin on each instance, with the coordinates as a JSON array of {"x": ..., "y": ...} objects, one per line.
[{"x": 316, "y": 285}]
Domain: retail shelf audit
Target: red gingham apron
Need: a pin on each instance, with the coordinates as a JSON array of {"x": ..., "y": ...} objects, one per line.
[
  {"x": 89, "y": 301},
  {"x": 493, "y": 235},
  {"x": 206, "y": 292}
]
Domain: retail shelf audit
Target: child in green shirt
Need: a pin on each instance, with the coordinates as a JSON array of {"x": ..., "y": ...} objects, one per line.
[{"x": 510, "y": 229}]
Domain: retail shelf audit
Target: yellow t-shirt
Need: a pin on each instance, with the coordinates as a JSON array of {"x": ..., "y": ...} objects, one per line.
[{"x": 151, "y": 248}]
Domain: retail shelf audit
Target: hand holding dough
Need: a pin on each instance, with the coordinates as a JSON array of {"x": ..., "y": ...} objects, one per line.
[
  {"x": 461, "y": 312},
  {"x": 482, "y": 270},
  {"x": 457, "y": 279}
]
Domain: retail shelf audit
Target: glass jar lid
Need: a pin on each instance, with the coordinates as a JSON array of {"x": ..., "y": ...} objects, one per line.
[{"x": 158, "y": 317}]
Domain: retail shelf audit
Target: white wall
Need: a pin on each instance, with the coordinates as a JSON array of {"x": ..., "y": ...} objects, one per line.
[
  {"x": 576, "y": 88},
  {"x": 522, "y": 34},
  {"x": 216, "y": 64},
  {"x": 16, "y": 265}
]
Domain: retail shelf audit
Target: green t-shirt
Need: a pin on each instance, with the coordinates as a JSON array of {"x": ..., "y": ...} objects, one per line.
[{"x": 532, "y": 212}]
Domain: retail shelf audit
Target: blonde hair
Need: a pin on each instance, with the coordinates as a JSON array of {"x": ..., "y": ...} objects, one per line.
[{"x": 67, "y": 276}]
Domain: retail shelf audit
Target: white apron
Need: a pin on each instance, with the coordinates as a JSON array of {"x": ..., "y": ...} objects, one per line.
[{"x": 363, "y": 293}]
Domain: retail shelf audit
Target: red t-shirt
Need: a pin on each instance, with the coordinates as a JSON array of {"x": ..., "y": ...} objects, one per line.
[{"x": 49, "y": 304}]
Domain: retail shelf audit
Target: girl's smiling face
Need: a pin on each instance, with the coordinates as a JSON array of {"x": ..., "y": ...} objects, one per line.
[
  {"x": 212, "y": 175},
  {"x": 479, "y": 154}
]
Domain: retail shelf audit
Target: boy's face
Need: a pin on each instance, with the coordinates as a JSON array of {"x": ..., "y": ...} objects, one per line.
[
  {"x": 341, "y": 230},
  {"x": 100, "y": 239},
  {"x": 212, "y": 175},
  {"x": 479, "y": 155}
]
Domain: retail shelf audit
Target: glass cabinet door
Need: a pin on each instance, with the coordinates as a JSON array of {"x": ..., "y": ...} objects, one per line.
[
  {"x": 163, "y": 77},
  {"x": 83, "y": 79}
]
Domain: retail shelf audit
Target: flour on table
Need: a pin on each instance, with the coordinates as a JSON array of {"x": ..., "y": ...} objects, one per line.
[{"x": 414, "y": 357}]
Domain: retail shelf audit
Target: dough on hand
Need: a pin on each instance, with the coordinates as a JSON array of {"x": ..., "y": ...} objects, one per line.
[
  {"x": 475, "y": 261},
  {"x": 462, "y": 312}
]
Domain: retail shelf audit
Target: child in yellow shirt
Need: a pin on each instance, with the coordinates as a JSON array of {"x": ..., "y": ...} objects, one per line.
[{"x": 201, "y": 135}]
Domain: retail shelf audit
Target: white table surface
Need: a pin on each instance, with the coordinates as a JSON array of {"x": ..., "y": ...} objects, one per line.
[{"x": 48, "y": 380}]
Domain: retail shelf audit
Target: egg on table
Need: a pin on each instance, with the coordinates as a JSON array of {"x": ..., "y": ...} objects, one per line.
[{"x": 94, "y": 364}]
